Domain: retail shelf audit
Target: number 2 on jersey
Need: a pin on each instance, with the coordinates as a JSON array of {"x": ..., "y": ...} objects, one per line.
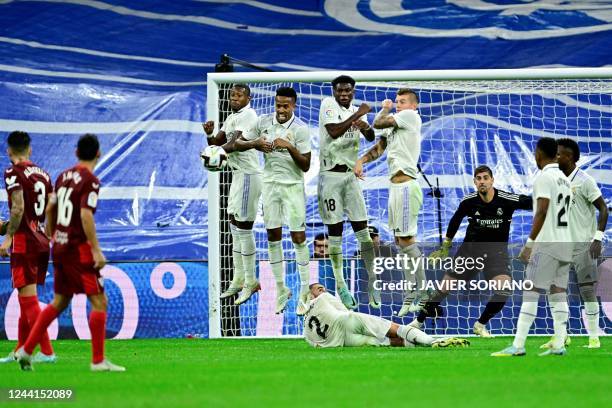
[
  {"x": 322, "y": 332},
  {"x": 561, "y": 215},
  {"x": 64, "y": 206}
]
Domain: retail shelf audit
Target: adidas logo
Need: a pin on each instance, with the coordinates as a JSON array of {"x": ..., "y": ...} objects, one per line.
[{"x": 476, "y": 213}]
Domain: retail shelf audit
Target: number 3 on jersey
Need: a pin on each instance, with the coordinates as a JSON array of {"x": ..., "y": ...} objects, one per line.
[
  {"x": 39, "y": 205},
  {"x": 64, "y": 210}
]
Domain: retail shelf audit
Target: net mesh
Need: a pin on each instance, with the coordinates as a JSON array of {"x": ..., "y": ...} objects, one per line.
[{"x": 465, "y": 124}]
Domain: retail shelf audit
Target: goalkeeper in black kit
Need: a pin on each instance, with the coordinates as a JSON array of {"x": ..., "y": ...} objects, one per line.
[{"x": 489, "y": 213}]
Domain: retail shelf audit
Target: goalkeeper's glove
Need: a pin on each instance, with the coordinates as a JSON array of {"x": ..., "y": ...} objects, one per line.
[{"x": 443, "y": 251}]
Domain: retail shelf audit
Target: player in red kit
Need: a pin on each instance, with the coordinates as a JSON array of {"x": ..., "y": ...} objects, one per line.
[
  {"x": 28, "y": 188},
  {"x": 77, "y": 257}
]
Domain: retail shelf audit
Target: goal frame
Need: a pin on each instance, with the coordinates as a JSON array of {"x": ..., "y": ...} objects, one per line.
[{"x": 214, "y": 80}]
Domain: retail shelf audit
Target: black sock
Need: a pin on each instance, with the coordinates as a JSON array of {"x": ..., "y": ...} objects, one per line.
[
  {"x": 431, "y": 306},
  {"x": 493, "y": 307}
]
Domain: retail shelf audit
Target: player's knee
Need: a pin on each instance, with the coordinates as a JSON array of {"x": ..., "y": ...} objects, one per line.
[
  {"x": 501, "y": 296},
  {"x": 275, "y": 234},
  {"x": 60, "y": 302},
  {"x": 335, "y": 229},
  {"x": 298, "y": 237},
  {"x": 587, "y": 292},
  {"x": 359, "y": 225},
  {"x": 98, "y": 302}
]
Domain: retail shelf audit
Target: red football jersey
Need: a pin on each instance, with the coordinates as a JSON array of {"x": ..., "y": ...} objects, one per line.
[
  {"x": 35, "y": 184},
  {"x": 75, "y": 188}
]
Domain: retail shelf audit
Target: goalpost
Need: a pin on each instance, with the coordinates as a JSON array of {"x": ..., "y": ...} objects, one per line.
[{"x": 470, "y": 118}]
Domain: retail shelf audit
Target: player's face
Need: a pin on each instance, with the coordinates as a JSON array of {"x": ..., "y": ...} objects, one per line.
[
  {"x": 320, "y": 248},
  {"x": 285, "y": 106},
  {"x": 238, "y": 98},
  {"x": 344, "y": 94},
  {"x": 317, "y": 289},
  {"x": 483, "y": 182},
  {"x": 403, "y": 102},
  {"x": 565, "y": 157}
]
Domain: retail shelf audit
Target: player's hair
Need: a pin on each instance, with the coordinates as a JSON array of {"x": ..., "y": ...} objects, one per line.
[
  {"x": 244, "y": 87},
  {"x": 288, "y": 92},
  {"x": 548, "y": 146},
  {"x": 316, "y": 283},
  {"x": 572, "y": 145},
  {"x": 408, "y": 91},
  {"x": 88, "y": 147},
  {"x": 483, "y": 168},
  {"x": 343, "y": 79},
  {"x": 320, "y": 236},
  {"x": 19, "y": 141}
]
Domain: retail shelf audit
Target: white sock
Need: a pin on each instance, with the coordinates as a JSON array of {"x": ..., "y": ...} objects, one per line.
[
  {"x": 302, "y": 257},
  {"x": 335, "y": 254},
  {"x": 560, "y": 312},
  {"x": 247, "y": 243},
  {"x": 237, "y": 256},
  {"x": 414, "y": 336},
  {"x": 275, "y": 253},
  {"x": 367, "y": 252},
  {"x": 592, "y": 316},
  {"x": 529, "y": 310},
  {"x": 411, "y": 274}
]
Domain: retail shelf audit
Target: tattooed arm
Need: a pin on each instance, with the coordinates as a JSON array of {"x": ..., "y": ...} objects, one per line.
[
  {"x": 371, "y": 155},
  {"x": 17, "y": 208},
  {"x": 384, "y": 120}
]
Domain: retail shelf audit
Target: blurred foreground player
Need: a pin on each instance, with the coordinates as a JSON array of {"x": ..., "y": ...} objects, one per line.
[
  {"x": 587, "y": 233},
  {"x": 77, "y": 256},
  {"x": 328, "y": 323},
  {"x": 547, "y": 252},
  {"x": 28, "y": 188}
]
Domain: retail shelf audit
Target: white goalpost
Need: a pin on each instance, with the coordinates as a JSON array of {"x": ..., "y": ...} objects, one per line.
[{"x": 470, "y": 118}]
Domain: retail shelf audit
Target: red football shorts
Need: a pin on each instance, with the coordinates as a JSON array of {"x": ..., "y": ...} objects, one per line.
[{"x": 74, "y": 272}]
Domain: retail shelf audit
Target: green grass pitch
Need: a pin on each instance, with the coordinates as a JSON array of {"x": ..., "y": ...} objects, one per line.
[{"x": 250, "y": 373}]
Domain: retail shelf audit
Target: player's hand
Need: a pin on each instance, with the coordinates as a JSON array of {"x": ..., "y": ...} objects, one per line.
[
  {"x": 387, "y": 104},
  {"x": 99, "y": 259},
  {"x": 6, "y": 245},
  {"x": 363, "y": 109},
  {"x": 595, "y": 249},
  {"x": 525, "y": 255},
  {"x": 443, "y": 251},
  {"x": 209, "y": 127},
  {"x": 360, "y": 124},
  {"x": 263, "y": 145},
  {"x": 281, "y": 143},
  {"x": 358, "y": 170}
]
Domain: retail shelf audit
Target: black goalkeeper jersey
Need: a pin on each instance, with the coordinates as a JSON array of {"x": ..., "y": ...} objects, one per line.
[{"x": 488, "y": 222}]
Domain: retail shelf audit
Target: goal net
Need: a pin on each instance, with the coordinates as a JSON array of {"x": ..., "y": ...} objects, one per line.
[{"x": 470, "y": 118}]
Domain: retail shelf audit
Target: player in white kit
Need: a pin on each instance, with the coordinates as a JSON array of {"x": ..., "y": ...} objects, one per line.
[
  {"x": 548, "y": 251},
  {"x": 328, "y": 323},
  {"x": 283, "y": 189},
  {"x": 587, "y": 233},
  {"x": 245, "y": 189},
  {"x": 341, "y": 125},
  {"x": 401, "y": 140}
]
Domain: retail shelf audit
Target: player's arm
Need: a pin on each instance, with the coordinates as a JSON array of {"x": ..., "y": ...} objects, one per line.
[
  {"x": 365, "y": 129},
  {"x": 51, "y": 215},
  {"x": 451, "y": 231},
  {"x": 302, "y": 160},
  {"x": 384, "y": 119},
  {"x": 89, "y": 227},
  {"x": 371, "y": 155},
  {"x": 17, "y": 209},
  {"x": 211, "y": 139},
  {"x": 538, "y": 221},
  {"x": 241, "y": 144},
  {"x": 602, "y": 221},
  {"x": 336, "y": 130}
]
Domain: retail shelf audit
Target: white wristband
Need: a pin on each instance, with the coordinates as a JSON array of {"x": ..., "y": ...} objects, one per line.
[
  {"x": 529, "y": 243},
  {"x": 598, "y": 236}
]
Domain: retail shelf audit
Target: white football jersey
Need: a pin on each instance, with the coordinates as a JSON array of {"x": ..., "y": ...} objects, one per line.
[
  {"x": 404, "y": 143},
  {"x": 555, "y": 237},
  {"x": 244, "y": 121},
  {"x": 345, "y": 149},
  {"x": 583, "y": 222},
  {"x": 323, "y": 322},
  {"x": 279, "y": 165}
]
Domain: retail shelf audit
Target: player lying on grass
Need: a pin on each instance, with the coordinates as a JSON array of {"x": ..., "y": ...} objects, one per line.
[{"x": 328, "y": 323}]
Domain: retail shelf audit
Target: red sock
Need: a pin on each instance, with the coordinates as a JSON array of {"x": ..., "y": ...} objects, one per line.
[
  {"x": 97, "y": 327},
  {"x": 22, "y": 331},
  {"x": 39, "y": 329},
  {"x": 29, "y": 305}
]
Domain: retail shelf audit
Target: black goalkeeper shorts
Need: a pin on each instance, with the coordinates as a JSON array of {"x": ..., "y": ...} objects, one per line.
[{"x": 491, "y": 258}]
